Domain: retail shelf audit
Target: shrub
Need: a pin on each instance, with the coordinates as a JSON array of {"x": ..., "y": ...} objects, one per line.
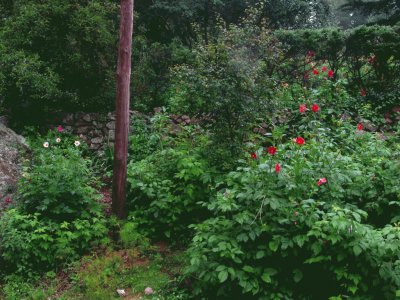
[
  {"x": 57, "y": 182},
  {"x": 32, "y": 243},
  {"x": 57, "y": 217},
  {"x": 306, "y": 228},
  {"x": 166, "y": 186}
]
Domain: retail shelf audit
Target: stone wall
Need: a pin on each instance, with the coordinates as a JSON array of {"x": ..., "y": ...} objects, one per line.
[{"x": 98, "y": 130}]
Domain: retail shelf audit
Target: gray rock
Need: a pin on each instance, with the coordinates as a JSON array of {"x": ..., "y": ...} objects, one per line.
[
  {"x": 111, "y": 135},
  {"x": 111, "y": 125},
  {"x": 87, "y": 118},
  {"x": 97, "y": 140},
  {"x": 11, "y": 147}
]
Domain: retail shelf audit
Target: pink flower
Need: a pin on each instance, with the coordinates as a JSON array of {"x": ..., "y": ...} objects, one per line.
[
  {"x": 324, "y": 69},
  {"x": 299, "y": 141},
  {"x": 7, "y": 200},
  {"x": 321, "y": 181},
  {"x": 59, "y": 128},
  {"x": 148, "y": 291},
  {"x": 302, "y": 108},
  {"x": 277, "y": 168},
  {"x": 331, "y": 74}
]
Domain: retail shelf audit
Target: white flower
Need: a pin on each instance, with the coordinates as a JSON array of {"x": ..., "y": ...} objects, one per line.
[
  {"x": 46, "y": 144},
  {"x": 77, "y": 143},
  {"x": 58, "y": 140}
]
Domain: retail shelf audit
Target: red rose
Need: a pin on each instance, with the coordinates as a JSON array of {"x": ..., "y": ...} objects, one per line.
[
  {"x": 299, "y": 141},
  {"x": 324, "y": 69},
  {"x": 302, "y": 108},
  {"x": 277, "y": 168},
  {"x": 315, "y": 72},
  {"x": 271, "y": 150},
  {"x": 330, "y": 74},
  {"x": 360, "y": 126},
  {"x": 315, "y": 108},
  {"x": 254, "y": 155},
  {"x": 321, "y": 181}
]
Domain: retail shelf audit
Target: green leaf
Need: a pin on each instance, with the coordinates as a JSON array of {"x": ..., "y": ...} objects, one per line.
[
  {"x": 223, "y": 276},
  {"x": 357, "y": 250},
  {"x": 273, "y": 245},
  {"x": 268, "y": 272},
  {"x": 260, "y": 254},
  {"x": 297, "y": 275}
]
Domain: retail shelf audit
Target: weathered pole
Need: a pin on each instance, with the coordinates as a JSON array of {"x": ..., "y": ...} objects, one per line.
[{"x": 122, "y": 109}]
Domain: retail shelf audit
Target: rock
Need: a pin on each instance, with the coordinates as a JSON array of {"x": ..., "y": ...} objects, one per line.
[
  {"x": 97, "y": 140},
  {"x": 11, "y": 146},
  {"x": 121, "y": 292},
  {"x": 87, "y": 118},
  {"x": 111, "y": 125},
  {"x": 111, "y": 116},
  {"x": 82, "y": 129},
  {"x": 95, "y": 146},
  {"x": 4, "y": 120},
  {"x": 111, "y": 135},
  {"x": 68, "y": 119}
]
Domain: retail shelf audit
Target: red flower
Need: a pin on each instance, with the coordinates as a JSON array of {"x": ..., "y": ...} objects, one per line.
[
  {"x": 271, "y": 150},
  {"x": 7, "y": 200},
  {"x": 59, "y": 128},
  {"x": 315, "y": 72},
  {"x": 299, "y": 141},
  {"x": 324, "y": 69},
  {"x": 310, "y": 53},
  {"x": 330, "y": 74},
  {"x": 321, "y": 181},
  {"x": 302, "y": 108},
  {"x": 363, "y": 92},
  {"x": 254, "y": 155},
  {"x": 277, "y": 168},
  {"x": 315, "y": 108},
  {"x": 360, "y": 126}
]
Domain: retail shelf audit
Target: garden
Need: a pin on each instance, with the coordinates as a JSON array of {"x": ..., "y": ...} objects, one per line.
[{"x": 263, "y": 156}]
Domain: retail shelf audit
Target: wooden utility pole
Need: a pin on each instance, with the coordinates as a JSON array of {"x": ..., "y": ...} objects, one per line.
[{"x": 122, "y": 109}]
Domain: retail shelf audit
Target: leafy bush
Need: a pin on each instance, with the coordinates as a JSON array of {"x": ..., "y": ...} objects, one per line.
[
  {"x": 166, "y": 185},
  {"x": 31, "y": 243},
  {"x": 57, "y": 217},
  {"x": 57, "y": 182},
  {"x": 300, "y": 223},
  {"x": 229, "y": 81}
]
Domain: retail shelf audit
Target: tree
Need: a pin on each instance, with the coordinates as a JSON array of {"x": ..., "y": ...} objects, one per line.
[
  {"x": 56, "y": 55},
  {"x": 381, "y": 11},
  {"x": 292, "y": 14},
  {"x": 122, "y": 109}
]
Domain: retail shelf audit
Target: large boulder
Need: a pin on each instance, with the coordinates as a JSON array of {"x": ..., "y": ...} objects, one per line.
[{"x": 12, "y": 146}]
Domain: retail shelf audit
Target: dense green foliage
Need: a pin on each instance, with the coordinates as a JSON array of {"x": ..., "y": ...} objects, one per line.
[
  {"x": 274, "y": 235},
  {"x": 57, "y": 55},
  {"x": 271, "y": 170},
  {"x": 57, "y": 217}
]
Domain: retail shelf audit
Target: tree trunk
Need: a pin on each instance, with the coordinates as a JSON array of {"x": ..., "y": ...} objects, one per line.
[{"x": 122, "y": 109}]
